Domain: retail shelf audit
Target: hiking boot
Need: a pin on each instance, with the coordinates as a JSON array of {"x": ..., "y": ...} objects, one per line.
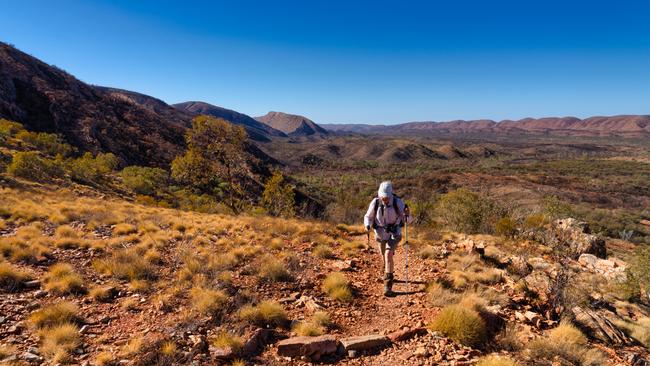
[{"x": 388, "y": 285}]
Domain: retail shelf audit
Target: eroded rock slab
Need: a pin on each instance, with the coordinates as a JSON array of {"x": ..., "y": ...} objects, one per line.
[
  {"x": 365, "y": 342},
  {"x": 307, "y": 346}
]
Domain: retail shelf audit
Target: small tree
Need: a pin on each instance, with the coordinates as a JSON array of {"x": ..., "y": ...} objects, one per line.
[
  {"x": 144, "y": 180},
  {"x": 465, "y": 211},
  {"x": 30, "y": 165},
  {"x": 89, "y": 169},
  {"x": 278, "y": 198},
  {"x": 215, "y": 153}
]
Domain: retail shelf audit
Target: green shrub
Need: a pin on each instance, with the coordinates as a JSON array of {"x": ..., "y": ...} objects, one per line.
[
  {"x": 506, "y": 226},
  {"x": 9, "y": 128},
  {"x": 466, "y": 211},
  {"x": 48, "y": 143},
  {"x": 89, "y": 169},
  {"x": 144, "y": 180},
  {"x": 463, "y": 325},
  {"x": 30, "y": 165},
  {"x": 278, "y": 197}
]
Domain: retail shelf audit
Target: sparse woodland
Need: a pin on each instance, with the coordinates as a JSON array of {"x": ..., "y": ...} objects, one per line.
[{"x": 105, "y": 264}]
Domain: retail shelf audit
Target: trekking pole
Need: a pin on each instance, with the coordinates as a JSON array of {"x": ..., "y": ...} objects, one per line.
[{"x": 406, "y": 252}]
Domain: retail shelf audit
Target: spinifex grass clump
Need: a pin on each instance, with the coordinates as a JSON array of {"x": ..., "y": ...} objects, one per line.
[
  {"x": 463, "y": 325},
  {"x": 266, "y": 313},
  {"x": 337, "y": 287},
  {"x": 11, "y": 278},
  {"x": 61, "y": 279},
  {"x": 56, "y": 314},
  {"x": 567, "y": 342},
  {"x": 208, "y": 301},
  {"x": 273, "y": 269}
]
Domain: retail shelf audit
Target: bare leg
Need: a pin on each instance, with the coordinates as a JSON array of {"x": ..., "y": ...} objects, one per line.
[
  {"x": 382, "y": 253},
  {"x": 388, "y": 261}
]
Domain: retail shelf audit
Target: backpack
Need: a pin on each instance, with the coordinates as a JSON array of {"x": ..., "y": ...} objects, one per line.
[{"x": 395, "y": 207}]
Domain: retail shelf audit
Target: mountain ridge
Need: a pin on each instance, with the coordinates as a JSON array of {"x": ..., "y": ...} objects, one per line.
[
  {"x": 292, "y": 124},
  {"x": 626, "y": 125}
]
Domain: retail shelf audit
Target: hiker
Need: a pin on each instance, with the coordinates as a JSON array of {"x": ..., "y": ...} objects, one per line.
[{"x": 387, "y": 214}]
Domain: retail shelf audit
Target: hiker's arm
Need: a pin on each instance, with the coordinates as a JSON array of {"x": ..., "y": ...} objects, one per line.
[{"x": 369, "y": 218}]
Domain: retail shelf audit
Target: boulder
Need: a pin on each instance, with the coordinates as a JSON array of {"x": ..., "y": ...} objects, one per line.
[
  {"x": 613, "y": 269},
  {"x": 307, "y": 346},
  {"x": 597, "y": 325},
  {"x": 361, "y": 343},
  {"x": 540, "y": 283}
]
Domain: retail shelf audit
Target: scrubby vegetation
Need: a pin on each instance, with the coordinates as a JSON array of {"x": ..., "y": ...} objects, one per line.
[
  {"x": 336, "y": 286},
  {"x": 461, "y": 324}
]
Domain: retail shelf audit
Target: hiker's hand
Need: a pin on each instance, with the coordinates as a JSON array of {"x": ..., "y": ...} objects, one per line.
[
  {"x": 367, "y": 227},
  {"x": 407, "y": 211}
]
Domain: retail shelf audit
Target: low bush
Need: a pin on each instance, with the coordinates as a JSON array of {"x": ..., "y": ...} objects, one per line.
[
  {"x": 266, "y": 313},
  {"x": 144, "y": 180},
  {"x": 461, "y": 324},
  {"x": 337, "y": 287},
  {"x": 469, "y": 212},
  {"x": 89, "y": 169},
  {"x": 30, "y": 165}
]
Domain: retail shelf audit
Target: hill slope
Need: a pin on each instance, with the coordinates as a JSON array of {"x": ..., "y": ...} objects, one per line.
[
  {"x": 256, "y": 130},
  {"x": 45, "y": 98},
  {"x": 292, "y": 124}
]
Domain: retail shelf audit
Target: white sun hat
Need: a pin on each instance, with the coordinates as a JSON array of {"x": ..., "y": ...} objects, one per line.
[{"x": 385, "y": 189}]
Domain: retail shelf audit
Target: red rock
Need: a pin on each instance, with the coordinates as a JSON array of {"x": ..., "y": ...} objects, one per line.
[
  {"x": 361, "y": 343},
  {"x": 307, "y": 346},
  {"x": 402, "y": 335}
]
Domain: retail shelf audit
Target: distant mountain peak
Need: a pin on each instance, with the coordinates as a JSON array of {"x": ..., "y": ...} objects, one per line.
[{"x": 292, "y": 124}]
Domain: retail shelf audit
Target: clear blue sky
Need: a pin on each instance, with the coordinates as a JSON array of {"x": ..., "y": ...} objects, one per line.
[{"x": 354, "y": 61}]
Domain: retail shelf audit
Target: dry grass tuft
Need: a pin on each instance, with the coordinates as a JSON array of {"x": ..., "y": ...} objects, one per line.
[
  {"x": 337, "y": 286},
  {"x": 169, "y": 349},
  {"x": 124, "y": 229},
  {"x": 208, "y": 301},
  {"x": 133, "y": 347},
  {"x": 639, "y": 330},
  {"x": 441, "y": 296},
  {"x": 566, "y": 342},
  {"x": 61, "y": 279},
  {"x": 225, "y": 339},
  {"x": 6, "y": 351},
  {"x": 307, "y": 329},
  {"x": 103, "y": 293},
  {"x": 238, "y": 362},
  {"x": 58, "y": 342},
  {"x": 322, "y": 319},
  {"x": 496, "y": 360},
  {"x": 105, "y": 358},
  {"x": 11, "y": 278},
  {"x": 126, "y": 264},
  {"x": 429, "y": 252},
  {"x": 56, "y": 314},
  {"x": 463, "y": 325},
  {"x": 323, "y": 251},
  {"x": 266, "y": 313},
  {"x": 273, "y": 270}
]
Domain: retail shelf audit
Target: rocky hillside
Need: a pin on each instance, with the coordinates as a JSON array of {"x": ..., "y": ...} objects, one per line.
[
  {"x": 137, "y": 128},
  {"x": 257, "y": 130},
  {"x": 625, "y": 126},
  {"x": 291, "y": 124},
  {"x": 94, "y": 280}
]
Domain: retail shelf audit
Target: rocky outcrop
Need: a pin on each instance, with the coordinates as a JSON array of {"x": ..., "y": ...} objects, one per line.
[
  {"x": 613, "y": 269},
  {"x": 361, "y": 343},
  {"x": 597, "y": 325},
  {"x": 575, "y": 238}
]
